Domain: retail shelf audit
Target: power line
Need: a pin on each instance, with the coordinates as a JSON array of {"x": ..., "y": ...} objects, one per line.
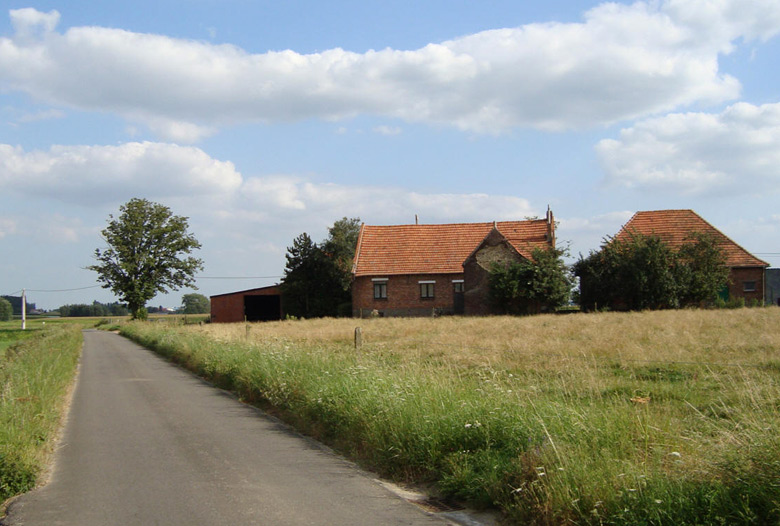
[
  {"x": 12, "y": 293},
  {"x": 238, "y": 277},
  {"x": 64, "y": 290},
  {"x": 99, "y": 286}
]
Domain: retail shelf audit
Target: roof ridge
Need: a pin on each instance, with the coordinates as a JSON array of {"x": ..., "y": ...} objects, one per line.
[
  {"x": 436, "y": 248},
  {"x": 357, "y": 248},
  {"x": 709, "y": 225},
  {"x": 458, "y": 224},
  {"x": 728, "y": 238}
]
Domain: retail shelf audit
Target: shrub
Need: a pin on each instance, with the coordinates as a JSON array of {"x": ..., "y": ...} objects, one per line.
[
  {"x": 530, "y": 287},
  {"x": 6, "y": 310},
  {"x": 643, "y": 272}
]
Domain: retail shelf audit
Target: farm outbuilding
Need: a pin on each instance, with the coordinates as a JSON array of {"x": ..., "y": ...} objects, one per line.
[
  {"x": 772, "y": 296},
  {"x": 263, "y": 304},
  {"x": 421, "y": 270},
  {"x": 747, "y": 273}
]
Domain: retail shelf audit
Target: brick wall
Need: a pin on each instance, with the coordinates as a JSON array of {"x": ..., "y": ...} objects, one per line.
[
  {"x": 738, "y": 277},
  {"x": 476, "y": 270},
  {"x": 403, "y": 295}
]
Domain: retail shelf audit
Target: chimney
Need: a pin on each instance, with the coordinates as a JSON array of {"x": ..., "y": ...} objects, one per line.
[
  {"x": 416, "y": 221},
  {"x": 550, "y": 227}
]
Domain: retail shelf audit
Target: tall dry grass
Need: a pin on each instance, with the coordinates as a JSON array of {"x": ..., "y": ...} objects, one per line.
[
  {"x": 646, "y": 418},
  {"x": 663, "y": 336},
  {"x": 35, "y": 374}
]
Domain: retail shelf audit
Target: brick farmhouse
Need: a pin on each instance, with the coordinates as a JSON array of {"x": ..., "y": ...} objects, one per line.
[
  {"x": 674, "y": 227},
  {"x": 421, "y": 270}
]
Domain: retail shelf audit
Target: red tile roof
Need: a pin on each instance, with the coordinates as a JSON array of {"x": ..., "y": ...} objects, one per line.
[
  {"x": 436, "y": 249},
  {"x": 675, "y": 226}
]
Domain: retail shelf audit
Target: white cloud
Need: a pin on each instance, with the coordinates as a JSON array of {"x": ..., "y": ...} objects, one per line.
[
  {"x": 191, "y": 182},
  {"x": 178, "y": 131},
  {"x": 7, "y": 226},
  {"x": 605, "y": 224},
  {"x": 588, "y": 233},
  {"x": 279, "y": 192},
  {"x": 298, "y": 197},
  {"x": 42, "y": 115},
  {"x": 735, "y": 152},
  {"x": 387, "y": 130},
  {"x": 60, "y": 229},
  {"x": 621, "y": 62},
  {"x": 105, "y": 174},
  {"x": 30, "y": 23}
]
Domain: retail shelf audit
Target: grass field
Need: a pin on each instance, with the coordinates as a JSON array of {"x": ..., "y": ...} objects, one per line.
[
  {"x": 612, "y": 418},
  {"x": 36, "y": 367}
]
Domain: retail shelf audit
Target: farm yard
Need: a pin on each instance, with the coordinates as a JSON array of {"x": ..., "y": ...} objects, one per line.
[{"x": 665, "y": 417}]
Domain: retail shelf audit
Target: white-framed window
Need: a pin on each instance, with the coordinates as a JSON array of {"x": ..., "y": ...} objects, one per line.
[
  {"x": 427, "y": 289},
  {"x": 458, "y": 285},
  {"x": 380, "y": 288}
]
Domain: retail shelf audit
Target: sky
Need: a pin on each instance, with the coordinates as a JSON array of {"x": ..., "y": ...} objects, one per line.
[{"x": 263, "y": 120}]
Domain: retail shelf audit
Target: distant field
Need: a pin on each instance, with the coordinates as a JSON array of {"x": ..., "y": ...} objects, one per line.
[{"x": 616, "y": 418}]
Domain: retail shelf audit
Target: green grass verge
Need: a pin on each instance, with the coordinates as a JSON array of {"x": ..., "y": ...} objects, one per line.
[
  {"x": 586, "y": 441},
  {"x": 35, "y": 372}
]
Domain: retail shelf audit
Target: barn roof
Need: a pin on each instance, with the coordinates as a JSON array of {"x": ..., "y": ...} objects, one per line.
[
  {"x": 437, "y": 249},
  {"x": 675, "y": 226},
  {"x": 269, "y": 290}
]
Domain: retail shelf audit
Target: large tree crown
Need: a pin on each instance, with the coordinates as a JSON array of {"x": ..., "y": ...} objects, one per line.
[{"x": 145, "y": 254}]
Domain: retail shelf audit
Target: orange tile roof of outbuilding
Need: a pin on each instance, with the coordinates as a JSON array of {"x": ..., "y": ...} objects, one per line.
[
  {"x": 675, "y": 226},
  {"x": 436, "y": 249}
]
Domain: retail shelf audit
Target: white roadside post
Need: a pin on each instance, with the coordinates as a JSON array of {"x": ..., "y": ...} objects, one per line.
[{"x": 24, "y": 309}]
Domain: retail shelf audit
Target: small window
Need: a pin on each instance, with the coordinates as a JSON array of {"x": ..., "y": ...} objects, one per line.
[
  {"x": 426, "y": 290},
  {"x": 749, "y": 286},
  {"x": 380, "y": 290},
  {"x": 458, "y": 286}
]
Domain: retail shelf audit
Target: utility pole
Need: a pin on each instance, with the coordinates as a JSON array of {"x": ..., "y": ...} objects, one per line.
[{"x": 24, "y": 309}]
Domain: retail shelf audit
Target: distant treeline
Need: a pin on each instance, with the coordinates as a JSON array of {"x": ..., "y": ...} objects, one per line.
[
  {"x": 95, "y": 309},
  {"x": 16, "y": 303}
]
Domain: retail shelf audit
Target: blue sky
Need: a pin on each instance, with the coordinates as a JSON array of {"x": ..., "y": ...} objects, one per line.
[{"x": 262, "y": 120}]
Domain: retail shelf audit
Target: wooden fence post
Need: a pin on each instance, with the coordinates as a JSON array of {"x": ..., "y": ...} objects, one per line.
[{"x": 358, "y": 338}]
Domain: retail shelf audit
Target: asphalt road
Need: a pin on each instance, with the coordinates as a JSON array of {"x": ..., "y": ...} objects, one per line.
[{"x": 148, "y": 443}]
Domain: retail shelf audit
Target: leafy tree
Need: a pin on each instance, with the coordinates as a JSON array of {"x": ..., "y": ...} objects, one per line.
[
  {"x": 94, "y": 309},
  {"x": 702, "y": 269},
  {"x": 117, "y": 309},
  {"x": 16, "y": 304},
  {"x": 642, "y": 272},
  {"x": 312, "y": 285},
  {"x": 648, "y": 275},
  {"x": 531, "y": 286},
  {"x": 340, "y": 246},
  {"x": 81, "y": 310},
  {"x": 195, "y": 304},
  {"x": 145, "y": 254},
  {"x": 6, "y": 310},
  {"x": 318, "y": 278}
]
